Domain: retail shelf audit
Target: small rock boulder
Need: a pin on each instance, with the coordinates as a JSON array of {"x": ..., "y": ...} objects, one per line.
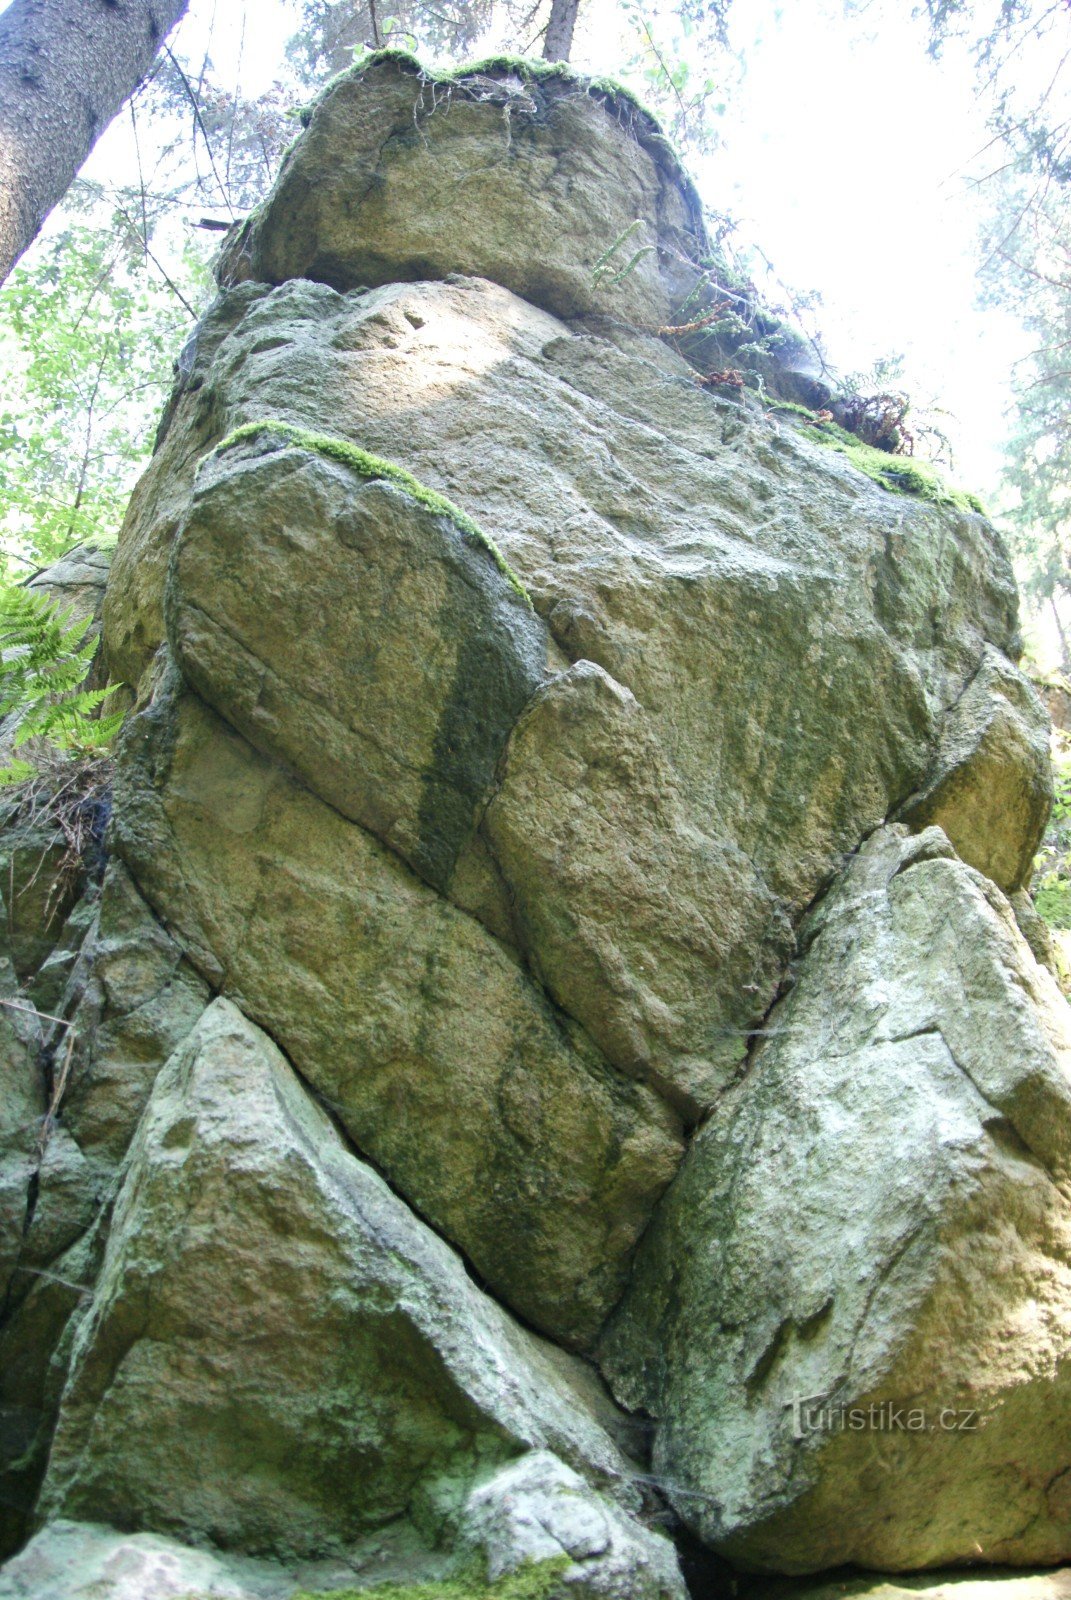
[
  {"x": 989, "y": 786},
  {"x": 657, "y": 934}
]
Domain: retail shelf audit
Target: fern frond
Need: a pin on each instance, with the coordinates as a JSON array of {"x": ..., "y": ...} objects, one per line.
[{"x": 45, "y": 658}]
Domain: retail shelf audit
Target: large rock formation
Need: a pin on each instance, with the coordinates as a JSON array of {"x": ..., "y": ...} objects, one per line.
[
  {"x": 876, "y": 1226},
  {"x": 516, "y": 720}
]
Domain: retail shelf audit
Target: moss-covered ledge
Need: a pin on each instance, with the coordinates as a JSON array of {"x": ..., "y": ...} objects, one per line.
[
  {"x": 376, "y": 468},
  {"x": 897, "y": 474}
]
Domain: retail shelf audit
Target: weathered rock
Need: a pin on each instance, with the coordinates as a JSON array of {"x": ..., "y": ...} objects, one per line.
[
  {"x": 77, "y": 582},
  {"x": 23, "y": 1103},
  {"x": 87, "y": 1561},
  {"x": 137, "y": 998},
  {"x": 41, "y": 878},
  {"x": 655, "y": 934},
  {"x": 34, "y": 1346},
  {"x": 548, "y": 184},
  {"x": 538, "y": 1510},
  {"x": 495, "y": 1117},
  {"x": 387, "y": 661},
  {"x": 990, "y": 785},
  {"x": 369, "y": 645},
  {"x": 876, "y": 1224},
  {"x": 745, "y": 586},
  {"x": 130, "y": 1000},
  {"x": 513, "y": 891},
  {"x": 278, "y": 1356}
]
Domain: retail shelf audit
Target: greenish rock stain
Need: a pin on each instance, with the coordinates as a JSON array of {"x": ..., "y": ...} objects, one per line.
[
  {"x": 373, "y": 467},
  {"x": 534, "y": 1581}
]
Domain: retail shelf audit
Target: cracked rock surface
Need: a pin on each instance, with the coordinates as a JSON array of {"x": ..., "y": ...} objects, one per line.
[
  {"x": 875, "y": 1223},
  {"x": 553, "y": 934}
]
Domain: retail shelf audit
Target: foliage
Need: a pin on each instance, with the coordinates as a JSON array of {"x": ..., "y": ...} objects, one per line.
[
  {"x": 1022, "y": 51},
  {"x": 89, "y": 340},
  {"x": 678, "y": 66},
  {"x": 375, "y": 467},
  {"x": 1035, "y": 277},
  {"x": 45, "y": 658}
]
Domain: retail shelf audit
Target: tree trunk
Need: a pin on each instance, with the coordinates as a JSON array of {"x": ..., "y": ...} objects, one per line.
[
  {"x": 558, "y": 40},
  {"x": 66, "y": 67}
]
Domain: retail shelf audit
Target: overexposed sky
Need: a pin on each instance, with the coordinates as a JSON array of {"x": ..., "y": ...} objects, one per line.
[{"x": 845, "y": 151}]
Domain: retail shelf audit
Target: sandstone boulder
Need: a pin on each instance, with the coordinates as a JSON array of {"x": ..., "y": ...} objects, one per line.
[
  {"x": 88, "y": 1561},
  {"x": 759, "y": 598},
  {"x": 852, "y": 1316},
  {"x": 538, "y": 1512},
  {"x": 77, "y": 582},
  {"x": 201, "y": 1404},
  {"x": 494, "y": 1116},
  {"x": 539, "y": 180},
  {"x": 990, "y": 783}
]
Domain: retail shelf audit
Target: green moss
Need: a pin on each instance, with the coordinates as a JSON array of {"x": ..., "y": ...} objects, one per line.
[
  {"x": 796, "y": 410},
  {"x": 536, "y": 1581},
  {"x": 530, "y": 69},
  {"x": 898, "y": 474},
  {"x": 376, "y": 468},
  {"x": 1052, "y": 901}
]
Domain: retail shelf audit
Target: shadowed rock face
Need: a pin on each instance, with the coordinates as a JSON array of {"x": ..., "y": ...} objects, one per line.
[
  {"x": 498, "y": 1119},
  {"x": 563, "y": 833}
]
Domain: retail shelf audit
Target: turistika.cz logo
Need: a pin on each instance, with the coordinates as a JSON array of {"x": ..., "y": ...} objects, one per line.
[{"x": 814, "y": 1413}]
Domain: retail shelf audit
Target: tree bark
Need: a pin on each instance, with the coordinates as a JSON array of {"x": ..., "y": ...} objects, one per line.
[
  {"x": 66, "y": 67},
  {"x": 558, "y": 39}
]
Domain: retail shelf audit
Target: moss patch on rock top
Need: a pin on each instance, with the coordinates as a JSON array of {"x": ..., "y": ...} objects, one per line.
[
  {"x": 898, "y": 474},
  {"x": 373, "y": 468},
  {"x": 533, "y": 72}
]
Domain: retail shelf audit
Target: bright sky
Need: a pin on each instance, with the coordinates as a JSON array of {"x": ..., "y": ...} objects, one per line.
[
  {"x": 847, "y": 157},
  {"x": 844, "y": 154}
]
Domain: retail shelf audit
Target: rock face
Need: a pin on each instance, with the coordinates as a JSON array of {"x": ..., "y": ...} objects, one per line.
[
  {"x": 852, "y": 1317},
  {"x": 544, "y": 183},
  {"x": 554, "y": 931},
  {"x": 412, "y": 1379},
  {"x": 743, "y": 586},
  {"x": 497, "y": 1118}
]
